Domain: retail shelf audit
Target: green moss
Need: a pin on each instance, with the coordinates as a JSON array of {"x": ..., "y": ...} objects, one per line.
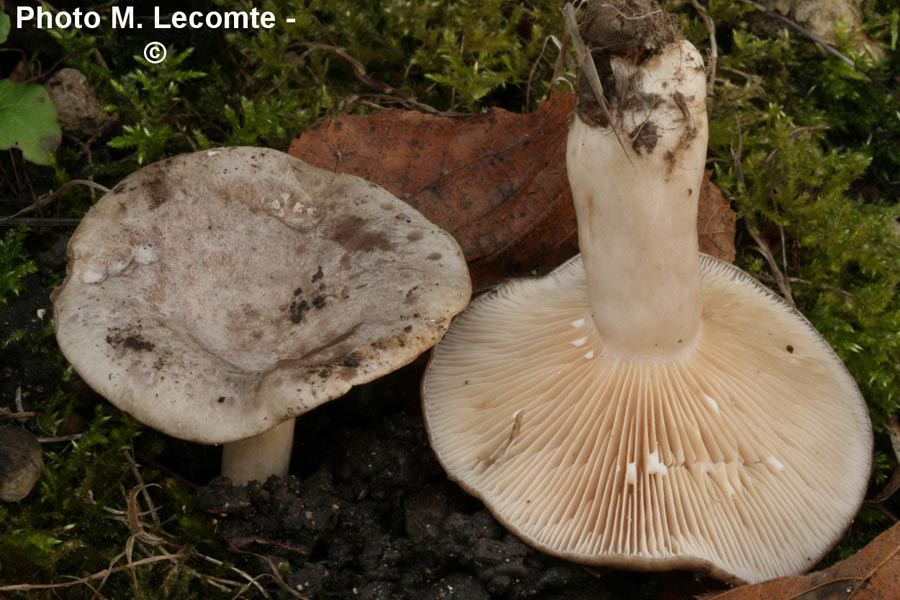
[{"x": 15, "y": 263}]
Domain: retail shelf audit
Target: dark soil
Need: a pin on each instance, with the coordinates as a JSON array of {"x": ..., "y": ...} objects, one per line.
[
  {"x": 370, "y": 514},
  {"x": 29, "y": 369}
]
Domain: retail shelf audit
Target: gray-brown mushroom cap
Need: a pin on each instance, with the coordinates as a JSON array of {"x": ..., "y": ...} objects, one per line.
[{"x": 216, "y": 294}]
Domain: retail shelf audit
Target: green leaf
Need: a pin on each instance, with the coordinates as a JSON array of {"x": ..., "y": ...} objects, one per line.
[
  {"x": 4, "y": 27},
  {"x": 28, "y": 121}
]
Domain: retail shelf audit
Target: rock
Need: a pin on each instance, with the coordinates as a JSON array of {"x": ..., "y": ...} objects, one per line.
[
  {"x": 77, "y": 108},
  {"x": 821, "y": 18},
  {"x": 20, "y": 463}
]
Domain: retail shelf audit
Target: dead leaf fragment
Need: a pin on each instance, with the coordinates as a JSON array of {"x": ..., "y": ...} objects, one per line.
[
  {"x": 873, "y": 573},
  {"x": 496, "y": 181},
  {"x": 715, "y": 222}
]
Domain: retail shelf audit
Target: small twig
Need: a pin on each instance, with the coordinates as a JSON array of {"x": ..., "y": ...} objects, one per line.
[
  {"x": 825, "y": 46},
  {"x": 560, "y": 63},
  {"x": 10, "y": 222},
  {"x": 784, "y": 260},
  {"x": 585, "y": 61},
  {"x": 762, "y": 247},
  {"x": 882, "y": 509},
  {"x": 893, "y": 484},
  {"x": 360, "y": 70},
  {"x": 534, "y": 66},
  {"x": 143, "y": 486},
  {"x": 100, "y": 132},
  {"x": 61, "y": 438},
  {"x": 770, "y": 159},
  {"x": 323, "y": 31},
  {"x": 822, "y": 286},
  {"x": 681, "y": 103},
  {"x": 149, "y": 460},
  {"x": 48, "y": 198},
  {"x": 894, "y": 426},
  {"x": 85, "y": 151},
  {"x": 774, "y": 198},
  {"x": 738, "y": 151},
  {"x": 15, "y": 173},
  {"x": 251, "y": 581},
  {"x": 242, "y": 543},
  {"x": 119, "y": 515},
  {"x": 42, "y": 73},
  {"x": 587, "y": 66},
  {"x": 275, "y": 572},
  {"x": 889, "y": 490},
  {"x": 378, "y": 102},
  {"x": 750, "y": 77},
  {"x": 149, "y": 540},
  {"x": 713, "y": 46},
  {"x": 133, "y": 513},
  {"x": 21, "y": 414},
  {"x": 5, "y": 414},
  {"x": 801, "y": 130},
  {"x": 104, "y": 574}
]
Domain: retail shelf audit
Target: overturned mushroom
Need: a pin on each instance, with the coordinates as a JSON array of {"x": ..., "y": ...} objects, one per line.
[
  {"x": 218, "y": 295},
  {"x": 646, "y": 406}
]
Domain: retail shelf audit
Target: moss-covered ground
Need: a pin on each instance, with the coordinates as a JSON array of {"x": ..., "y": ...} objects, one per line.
[{"x": 804, "y": 143}]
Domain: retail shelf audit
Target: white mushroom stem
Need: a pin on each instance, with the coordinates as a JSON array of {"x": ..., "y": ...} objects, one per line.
[
  {"x": 637, "y": 230},
  {"x": 642, "y": 440},
  {"x": 260, "y": 456}
]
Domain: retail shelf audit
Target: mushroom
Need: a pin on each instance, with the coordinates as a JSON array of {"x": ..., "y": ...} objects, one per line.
[
  {"x": 216, "y": 296},
  {"x": 21, "y": 459},
  {"x": 645, "y": 406}
]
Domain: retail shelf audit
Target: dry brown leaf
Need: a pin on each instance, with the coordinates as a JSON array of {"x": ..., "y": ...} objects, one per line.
[
  {"x": 715, "y": 222},
  {"x": 496, "y": 181},
  {"x": 873, "y": 573}
]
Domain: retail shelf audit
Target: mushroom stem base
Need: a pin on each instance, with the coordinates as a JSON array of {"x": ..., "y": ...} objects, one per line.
[{"x": 259, "y": 456}]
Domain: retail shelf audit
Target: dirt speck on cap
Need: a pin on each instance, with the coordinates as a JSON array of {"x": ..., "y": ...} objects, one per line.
[
  {"x": 158, "y": 192},
  {"x": 351, "y": 360},
  {"x": 644, "y": 137},
  {"x": 129, "y": 339},
  {"x": 353, "y": 235},
  {"x": 297, "y": 309}
]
